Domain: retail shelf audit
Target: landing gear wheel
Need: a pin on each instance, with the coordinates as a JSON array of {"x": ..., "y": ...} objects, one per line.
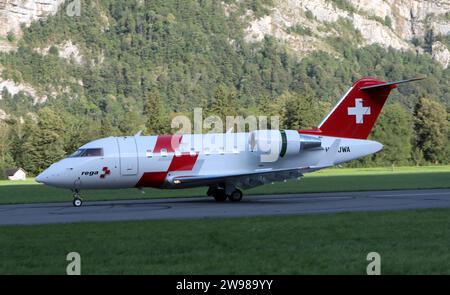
[
  {"x": 77, "y": 202},
  {"x": 235, "y": 196},
  {"x": 219, "y": 195}
]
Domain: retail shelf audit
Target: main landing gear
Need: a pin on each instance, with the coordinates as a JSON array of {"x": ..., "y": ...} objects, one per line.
[
  {"x": 77, "y": 200},
  {"x": 221, "y": 194}
]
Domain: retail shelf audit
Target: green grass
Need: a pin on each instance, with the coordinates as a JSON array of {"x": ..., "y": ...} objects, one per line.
[
  {"x": 409, "y": 242},
  {"x": 338, "y": 179}
]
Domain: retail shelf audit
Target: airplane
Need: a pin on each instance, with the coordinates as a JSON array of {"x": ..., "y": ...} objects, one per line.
[{"x": 209, "y": 160}]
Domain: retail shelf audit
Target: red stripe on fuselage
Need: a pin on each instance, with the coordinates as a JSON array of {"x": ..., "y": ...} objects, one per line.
[
  {"x": 152, "y": 179},
  {"x": 183, "y": 162},
  {"x": 168, "y": 142}
]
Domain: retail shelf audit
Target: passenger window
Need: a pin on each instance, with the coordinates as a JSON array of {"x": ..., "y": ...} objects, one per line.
[
  {"x": 149, "y": 153},
  {"x": 163, "y": 152}
]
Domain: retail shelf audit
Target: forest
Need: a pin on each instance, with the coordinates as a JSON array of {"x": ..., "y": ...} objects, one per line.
[{"x": 145, "y": 62}]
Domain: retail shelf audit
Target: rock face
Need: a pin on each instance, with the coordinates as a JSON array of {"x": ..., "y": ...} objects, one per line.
[
  {"x": 390, "y": 23},
  {"x": 3, "y": 115},
  {"x": 14, "y": 88},
  {"x": 441, "y": 53},
  {"x": 410, "y": 18},
  {"x": 14, "y": 13},
  {"x": 67, "y": 50}
]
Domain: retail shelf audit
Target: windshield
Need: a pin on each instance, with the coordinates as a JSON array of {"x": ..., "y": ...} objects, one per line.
[{"x": 96, "y": 152}]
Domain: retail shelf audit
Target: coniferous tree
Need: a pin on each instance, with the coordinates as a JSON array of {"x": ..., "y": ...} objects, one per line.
[
  {"x": 394, "y": 130},
  {"x": 45, "y": 145},
  {"x": 20, "y": 133},
  {"x": 300, "y": 111},
  {"x": 431, "y": 128},
  {"x": 6, "y": 160},
  {"x": 223, "y": 103},
  {"x": 155, "y": 114}
]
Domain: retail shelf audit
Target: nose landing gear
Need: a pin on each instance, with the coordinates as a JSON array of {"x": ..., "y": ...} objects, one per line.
[{"x": 77, "y": 200}]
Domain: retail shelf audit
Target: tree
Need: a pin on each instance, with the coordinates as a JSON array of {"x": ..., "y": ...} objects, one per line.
[
  {"x": 19, "y": 134},
  {"x": 53, "y": 50},
  {"x": 11, "y": 36},
  {"x": 388, "y": 21},
  {"x": 4, "y": 140},
  {"x": 394, "y": 130},
  {"x": 6, "y": 160},
  {"x": 431, "y": 129},
  {"x": 156, "y": 115},
  {"x": 429, "y": 40},
  {"x": 130, "y": 123},
  {"x": 45, "y": 145},
  {"x": 299, "y": 110},
  {"x": 223, "y": 103},
  {"x": 271, "y": 108},
  {"x": 79, "y": 130}
]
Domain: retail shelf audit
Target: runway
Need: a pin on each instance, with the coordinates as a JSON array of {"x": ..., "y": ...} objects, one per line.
[{"x": 157, "y": 209}]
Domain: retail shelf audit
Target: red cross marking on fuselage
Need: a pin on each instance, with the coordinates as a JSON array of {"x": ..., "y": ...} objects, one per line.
[{"x": 106, "y": 171}]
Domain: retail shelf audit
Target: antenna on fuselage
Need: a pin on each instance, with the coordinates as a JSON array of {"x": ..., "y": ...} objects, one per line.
[{"x": 139, "y": 133}]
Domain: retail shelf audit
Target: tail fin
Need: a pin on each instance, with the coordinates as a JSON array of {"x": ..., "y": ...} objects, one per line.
[{"x": 356, "y": 113}]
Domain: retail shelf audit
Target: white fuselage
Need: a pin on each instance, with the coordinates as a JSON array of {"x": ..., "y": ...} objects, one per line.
[{"x": 153, "y": 161}]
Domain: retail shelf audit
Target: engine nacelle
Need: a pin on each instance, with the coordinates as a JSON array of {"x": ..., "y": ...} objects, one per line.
[{"x": 285, "y": 142}]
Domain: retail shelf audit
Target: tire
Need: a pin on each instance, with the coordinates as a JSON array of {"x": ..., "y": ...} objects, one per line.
[
  {"x": 219, "y": 195},
  {"x": 235, "y": 196},
  {"x": 77, "y": 202}
]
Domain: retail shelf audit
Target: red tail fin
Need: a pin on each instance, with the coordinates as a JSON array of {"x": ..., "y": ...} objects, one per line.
[{"x": 356, "y": 113}]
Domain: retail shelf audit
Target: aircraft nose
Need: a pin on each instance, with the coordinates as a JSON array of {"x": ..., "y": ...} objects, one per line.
[
  {"x": 49, "y": 176},
  {"x": 42, "y": 177},
  {"x": 56, "y": 175}
]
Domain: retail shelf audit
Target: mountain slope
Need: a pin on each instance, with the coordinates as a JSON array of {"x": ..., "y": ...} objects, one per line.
[
  {"x": 96, "y": 73},
  {"x": 257, "y": 48}
]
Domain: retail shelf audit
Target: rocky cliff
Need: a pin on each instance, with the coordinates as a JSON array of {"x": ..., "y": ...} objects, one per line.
[
  {"x": 15, "y": 13},
  {"x": 391, "y": 23}
]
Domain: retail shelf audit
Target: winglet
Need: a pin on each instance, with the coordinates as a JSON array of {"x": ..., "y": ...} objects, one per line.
[{"x": 392, "y": 83}]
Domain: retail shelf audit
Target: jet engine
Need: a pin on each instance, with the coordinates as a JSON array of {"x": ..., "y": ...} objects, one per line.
[{"x": 287, "y": 142}]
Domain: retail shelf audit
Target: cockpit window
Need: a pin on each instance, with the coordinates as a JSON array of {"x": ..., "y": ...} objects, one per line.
[
  {"x": 97, "y": 152},
  {"x": 77, "y": 153}
]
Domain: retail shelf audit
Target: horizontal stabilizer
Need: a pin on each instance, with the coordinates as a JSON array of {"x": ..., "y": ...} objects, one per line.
[
  {"x": 330, "y": 155},
  {"x": 391, "y": 83}
]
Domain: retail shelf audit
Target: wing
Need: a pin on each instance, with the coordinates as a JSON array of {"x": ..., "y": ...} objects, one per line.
[
  {"x": 243, "y": 180},
  {"x": 256, "y": 177}
]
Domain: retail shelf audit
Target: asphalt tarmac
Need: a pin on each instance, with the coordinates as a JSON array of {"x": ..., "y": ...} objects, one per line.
[{"x": 261, "y": 205}]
